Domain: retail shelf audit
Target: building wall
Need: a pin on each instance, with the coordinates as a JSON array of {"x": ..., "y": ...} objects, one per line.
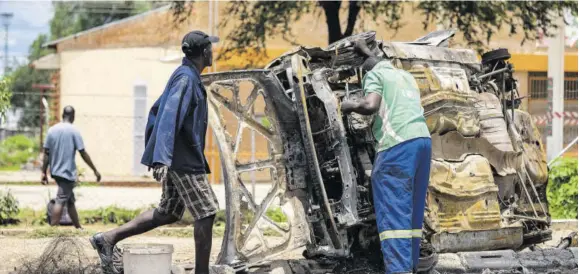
[{"x": 99, "y": 84}]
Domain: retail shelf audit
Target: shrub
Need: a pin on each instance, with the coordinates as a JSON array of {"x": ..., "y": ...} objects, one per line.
[
  {"x": 562, "y": 189},
  {"x": 8, "y": 208},
  {"x": 16, "y": 150}
]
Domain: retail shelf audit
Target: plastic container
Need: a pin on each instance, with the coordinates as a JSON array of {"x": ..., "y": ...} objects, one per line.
[{"x": 147, "y": 258}]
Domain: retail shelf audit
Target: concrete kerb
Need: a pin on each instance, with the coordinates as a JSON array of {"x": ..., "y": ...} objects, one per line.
[{"x": 566, "y": 224}]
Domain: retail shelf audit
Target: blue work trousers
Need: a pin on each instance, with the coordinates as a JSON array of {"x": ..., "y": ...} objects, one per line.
[{"x": 399, "y": 182}]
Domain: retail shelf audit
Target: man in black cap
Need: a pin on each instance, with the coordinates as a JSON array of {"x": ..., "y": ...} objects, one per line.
[{"x": 174, "y": 145}]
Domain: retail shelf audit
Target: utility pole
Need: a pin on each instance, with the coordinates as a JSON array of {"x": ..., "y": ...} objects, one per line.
[
  {"x": 555, "y": 92},
  {"x": 6, "y": 17}
]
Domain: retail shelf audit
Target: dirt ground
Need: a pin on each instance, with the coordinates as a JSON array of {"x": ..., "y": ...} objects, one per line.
[
  {"x": 18, "y": 249},
  {"x": 14, "y": 250}
]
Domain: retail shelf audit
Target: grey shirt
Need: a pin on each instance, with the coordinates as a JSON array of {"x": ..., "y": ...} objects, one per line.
[{"x": 62, "y": 142}]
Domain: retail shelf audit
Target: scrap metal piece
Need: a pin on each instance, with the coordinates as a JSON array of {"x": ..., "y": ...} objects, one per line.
[
  {"x": 488, "y": 175},
  {"x": 463, "y": 195},
  {"x": 487, "y": 239},
  {"x": 342, "y": 150},
  {"x": 300, "y": 70},
  {"x": 244, "y": 243}
]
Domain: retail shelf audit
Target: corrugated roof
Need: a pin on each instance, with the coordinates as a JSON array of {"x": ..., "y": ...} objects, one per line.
[{"x": 118, "y": 22}]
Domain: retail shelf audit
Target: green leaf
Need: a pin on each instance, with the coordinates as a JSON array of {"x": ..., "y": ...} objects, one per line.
[{"x": 562, "y": 189}]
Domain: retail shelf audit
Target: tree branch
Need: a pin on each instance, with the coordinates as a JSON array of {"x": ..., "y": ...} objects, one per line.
[{"x": 480, "y": 21}]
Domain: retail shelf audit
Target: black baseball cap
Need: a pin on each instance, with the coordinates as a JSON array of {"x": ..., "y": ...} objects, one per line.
[{"x": 196, "y": 39}]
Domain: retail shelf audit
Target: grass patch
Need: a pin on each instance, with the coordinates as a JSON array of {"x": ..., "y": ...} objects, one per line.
[
  {"x": 276, "y": 215},
  {"x": 31, "y": 217},
  {"x": 108, "y": 215},
  {"x": 53, "y": 232},
  {"x": 10, "y": 168},
  {"x": 113, "y": 216},
  {"x": 117, "y": 215}
]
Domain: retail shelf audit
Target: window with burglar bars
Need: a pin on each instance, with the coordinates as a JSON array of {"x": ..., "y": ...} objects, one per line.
[{"x": 538, "y": 85}]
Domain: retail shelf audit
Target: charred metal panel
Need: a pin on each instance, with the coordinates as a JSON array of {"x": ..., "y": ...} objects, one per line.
[
  {"x": 462, "y": 196},
  {"x": 447, "y": 100},
  {"x": 489, "y": 239},
  {"x": 341, "y": 150},
  {"x": 301, "y": 74},
  {"x": 453, "y": 146},
  {"x": 535, "y": 158},
  {"x": 412, "y": 54},
  {"x": 492, "y": 122}
]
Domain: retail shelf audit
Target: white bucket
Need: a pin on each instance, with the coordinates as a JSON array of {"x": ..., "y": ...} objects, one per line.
[{"x": 147, "y": 258}]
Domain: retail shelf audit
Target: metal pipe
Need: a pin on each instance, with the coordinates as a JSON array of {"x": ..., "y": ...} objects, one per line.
[
  {"x": 505, "y": 102},
  {"x": 253, "y": 155},
  {"x": 527, "y": 218},
  {"x": 513, "y": 103},
  {"x": 566, "y": 242},
  {"x": 494, "y": 72},
  {"x": 528, "y": 195},
  {"x": 563, "y": 151}
]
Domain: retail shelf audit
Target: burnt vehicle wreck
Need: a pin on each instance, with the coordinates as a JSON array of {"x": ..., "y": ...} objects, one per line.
[{"x": 488, "y": 173}]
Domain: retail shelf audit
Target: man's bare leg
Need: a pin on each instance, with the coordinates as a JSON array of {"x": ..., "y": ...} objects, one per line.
[
  {"x": 56, "y": 214},
  {"x": 73, "y": 215},
  {"x": 203, "y": 235},
  {"x": 146, "y": 221}
]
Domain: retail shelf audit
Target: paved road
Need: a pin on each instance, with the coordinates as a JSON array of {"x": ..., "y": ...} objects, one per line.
[{"x": 93, "y": 197}]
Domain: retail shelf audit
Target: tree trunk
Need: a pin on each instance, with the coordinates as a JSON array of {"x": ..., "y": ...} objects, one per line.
[
  {"x": 353, "y": 11},
  {"x": 332, "y": 11}
]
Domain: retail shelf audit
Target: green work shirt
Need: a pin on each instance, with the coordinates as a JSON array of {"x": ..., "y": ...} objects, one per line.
[{"x": 401, "y": 116}]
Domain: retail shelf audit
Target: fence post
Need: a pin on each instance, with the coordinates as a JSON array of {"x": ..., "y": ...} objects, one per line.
[{"x": 41, "y": 118}]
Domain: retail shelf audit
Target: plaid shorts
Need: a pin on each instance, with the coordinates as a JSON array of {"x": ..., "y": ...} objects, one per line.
[{"x": 188, "y": 190}]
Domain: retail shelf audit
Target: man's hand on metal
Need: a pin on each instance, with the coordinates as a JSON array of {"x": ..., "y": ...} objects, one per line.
[
  {"x": 44, "y": 179},
  {"x": 348, "y": 106},
  {"x": 361, "y": 47},
  {"x": 160, "y": 173}
]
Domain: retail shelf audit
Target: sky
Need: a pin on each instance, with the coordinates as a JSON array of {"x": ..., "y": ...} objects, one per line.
[{"x": 30, "y": 19}]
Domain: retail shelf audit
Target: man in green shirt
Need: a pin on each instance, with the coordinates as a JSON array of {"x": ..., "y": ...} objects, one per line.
[{"x": 402, "y": 166}]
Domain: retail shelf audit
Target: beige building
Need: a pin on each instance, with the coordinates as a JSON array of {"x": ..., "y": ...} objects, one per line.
[{"x": 112, "y": 75}]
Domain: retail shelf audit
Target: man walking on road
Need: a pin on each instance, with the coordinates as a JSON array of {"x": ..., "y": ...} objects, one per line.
[
  {"x": 402, "y": 166},
  {"x": 174, "y": 148},
  {"x": 62, "y": 142}
]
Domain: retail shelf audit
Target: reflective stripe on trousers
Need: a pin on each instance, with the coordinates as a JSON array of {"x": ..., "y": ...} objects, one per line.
[
  {"x": 399, "y": 184},
  {"x": 400, "y": 234}
]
